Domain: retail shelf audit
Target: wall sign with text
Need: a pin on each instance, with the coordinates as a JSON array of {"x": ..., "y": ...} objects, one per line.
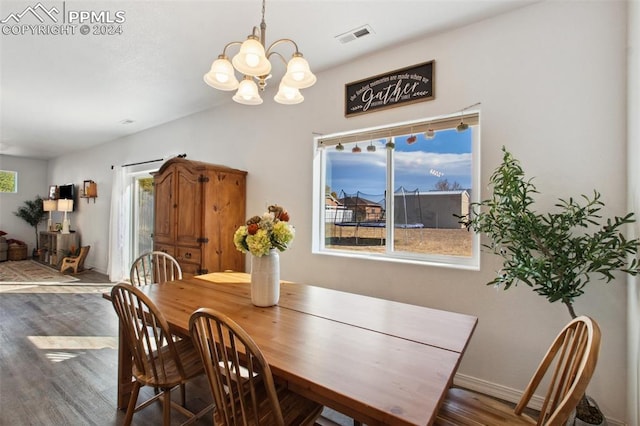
[{"x": 395, "y": 88}]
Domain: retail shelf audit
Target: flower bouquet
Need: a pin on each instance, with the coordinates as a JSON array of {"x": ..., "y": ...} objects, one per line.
[{"x": 263, "y": 233}]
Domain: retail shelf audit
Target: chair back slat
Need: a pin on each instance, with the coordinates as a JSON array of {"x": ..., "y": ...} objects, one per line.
[
  {"x": 154, "y": 267},
  {"x": 146, "y": 333},
  {"x": 239, "y": 376},
  {"x": 573, "y": 356},
  {"x": 575, "y": 342}
]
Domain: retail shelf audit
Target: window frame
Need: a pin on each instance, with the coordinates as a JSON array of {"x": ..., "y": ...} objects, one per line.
[
  {"x": 15, "y": 181},
  {"x": 324, "y": 142}
]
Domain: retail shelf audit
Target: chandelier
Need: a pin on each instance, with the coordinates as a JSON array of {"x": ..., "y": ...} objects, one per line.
[{"x": 252, "y": 61}]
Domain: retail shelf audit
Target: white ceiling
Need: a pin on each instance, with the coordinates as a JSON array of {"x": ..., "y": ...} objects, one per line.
[{"x": 60, "y": 93}]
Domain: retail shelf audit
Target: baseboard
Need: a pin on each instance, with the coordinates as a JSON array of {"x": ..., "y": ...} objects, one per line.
[
  {"x": 506, "y": 393},
  {"x": 100, "y": 271}
]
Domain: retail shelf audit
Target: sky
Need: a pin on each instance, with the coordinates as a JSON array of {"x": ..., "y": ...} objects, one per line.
[{"x": 419, "y": 165}]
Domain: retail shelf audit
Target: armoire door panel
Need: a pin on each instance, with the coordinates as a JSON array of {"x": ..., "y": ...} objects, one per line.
[
  {"x": 188, "y": 208},
  {"x": 231, "y": 201}
]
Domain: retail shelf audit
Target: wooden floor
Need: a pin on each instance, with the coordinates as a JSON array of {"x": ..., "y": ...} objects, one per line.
[{"x": 58, "y": 359}]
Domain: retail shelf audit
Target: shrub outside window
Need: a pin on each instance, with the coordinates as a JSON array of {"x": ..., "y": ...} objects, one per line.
[
  {"x": 396, "y": 192},
  {"x": 8, "y": 181}
]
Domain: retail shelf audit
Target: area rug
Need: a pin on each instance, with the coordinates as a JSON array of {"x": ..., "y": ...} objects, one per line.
[{"x": 31, "y": 272}]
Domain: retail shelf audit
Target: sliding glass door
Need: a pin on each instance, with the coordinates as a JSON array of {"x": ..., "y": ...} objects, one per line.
[{"x": 142, "y": 215}]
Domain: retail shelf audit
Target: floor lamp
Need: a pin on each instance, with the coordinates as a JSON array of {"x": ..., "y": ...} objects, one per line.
[
  {"x": 49, "y": 206},
  {"x": 65, "y": 206}
]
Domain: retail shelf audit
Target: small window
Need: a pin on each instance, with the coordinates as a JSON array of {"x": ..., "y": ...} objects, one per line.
[
  {"x": 396, "y": 192},
  {"x": 8, "y": 181}
]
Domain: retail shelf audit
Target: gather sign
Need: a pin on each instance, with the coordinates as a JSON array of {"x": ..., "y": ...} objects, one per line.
[{"x": 399, "y": 87}]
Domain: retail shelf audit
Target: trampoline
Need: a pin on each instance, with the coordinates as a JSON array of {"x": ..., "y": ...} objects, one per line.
[
  {"x": 381, "y": 225},
  {"x": 369, "y": 211}
]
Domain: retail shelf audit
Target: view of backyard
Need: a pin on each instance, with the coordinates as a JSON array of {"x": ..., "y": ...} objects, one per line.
[{"x": 450, "y": 242}]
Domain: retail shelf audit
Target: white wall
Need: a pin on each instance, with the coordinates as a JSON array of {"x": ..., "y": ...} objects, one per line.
[
  {"x": 32, "y": 181},
  {"x": 551, "y": 79}
]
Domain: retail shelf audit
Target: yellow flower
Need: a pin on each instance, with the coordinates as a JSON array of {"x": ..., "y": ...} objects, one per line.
[
  {"x": 283, "y": 233},
  {"x": 272, "y": 233},
  {"x": 239, "y": 239},
  {"x": 259, "y": 244}
]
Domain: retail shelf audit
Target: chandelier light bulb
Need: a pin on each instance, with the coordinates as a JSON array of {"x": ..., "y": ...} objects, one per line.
[
  {"x": 288, "y": 92},
  {"x": 221, "y": 76},
  {"x": 251, "y": 59},
  {"x": 288, "y": 95},
  {"x": 298, "y": 74},
  {"x": 247, "y": 93}
]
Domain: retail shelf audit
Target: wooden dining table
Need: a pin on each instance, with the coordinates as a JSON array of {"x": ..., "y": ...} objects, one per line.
[{"x": 375, "y": 360}]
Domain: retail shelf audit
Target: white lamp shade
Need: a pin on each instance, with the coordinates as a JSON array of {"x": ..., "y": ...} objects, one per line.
[
  {"x": 251, "y": 59},
  {"x": 298, "y": 74},
  {"x": 221, "y": 75},
  {"x": 49, "y": 205},
  {"x": 247, "y": 93},
  {"x": 288, "y": 95},
  {"x": 65, "y": 205}
]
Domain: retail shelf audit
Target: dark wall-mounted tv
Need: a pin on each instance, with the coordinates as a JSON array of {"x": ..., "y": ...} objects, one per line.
[{"x": 68, "y": 192}]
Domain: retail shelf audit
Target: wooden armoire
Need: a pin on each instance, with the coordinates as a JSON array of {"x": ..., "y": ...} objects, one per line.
[{"x": 198, "y": 207}]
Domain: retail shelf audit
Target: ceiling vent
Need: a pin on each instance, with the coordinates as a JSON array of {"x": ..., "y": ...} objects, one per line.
[{"x": 354, "y": 34}]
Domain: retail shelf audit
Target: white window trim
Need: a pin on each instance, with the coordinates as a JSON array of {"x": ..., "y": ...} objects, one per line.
[{"x": 319, "y": 179}]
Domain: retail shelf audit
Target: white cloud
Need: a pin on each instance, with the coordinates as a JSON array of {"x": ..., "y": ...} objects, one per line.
[{"x": 421, "y": 163}]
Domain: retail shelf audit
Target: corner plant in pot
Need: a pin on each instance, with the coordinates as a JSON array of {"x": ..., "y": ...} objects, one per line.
[
  {"x": 555, "y": 253},
  {"x": 33, "y": 213}
]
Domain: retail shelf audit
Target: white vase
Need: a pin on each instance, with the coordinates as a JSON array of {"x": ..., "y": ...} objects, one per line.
[{"x": 265, "y": 279}]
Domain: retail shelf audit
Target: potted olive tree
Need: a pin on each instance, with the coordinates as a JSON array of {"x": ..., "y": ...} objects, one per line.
[
  {"x": 33, "y": 213},
  {"x": 555, "y": 253}
]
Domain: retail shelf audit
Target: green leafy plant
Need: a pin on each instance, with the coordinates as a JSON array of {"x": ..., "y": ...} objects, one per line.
[
  {"x": 33, "y": 213},
  {"x": 555, "y": 253}
]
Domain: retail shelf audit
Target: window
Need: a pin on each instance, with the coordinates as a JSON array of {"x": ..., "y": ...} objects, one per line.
[
  {"x": 8, "y": 181},
  {"x": 142, "y": 214},
  {"x": 396, "y": 192}
]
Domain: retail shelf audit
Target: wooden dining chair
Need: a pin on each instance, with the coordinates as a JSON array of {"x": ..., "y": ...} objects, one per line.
[
  {"x": 154, "y": 267},
  {"x": 240, "y": 378},
  {"x": 573, "y": 356},
  {"x": 158, "y": 360}
]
